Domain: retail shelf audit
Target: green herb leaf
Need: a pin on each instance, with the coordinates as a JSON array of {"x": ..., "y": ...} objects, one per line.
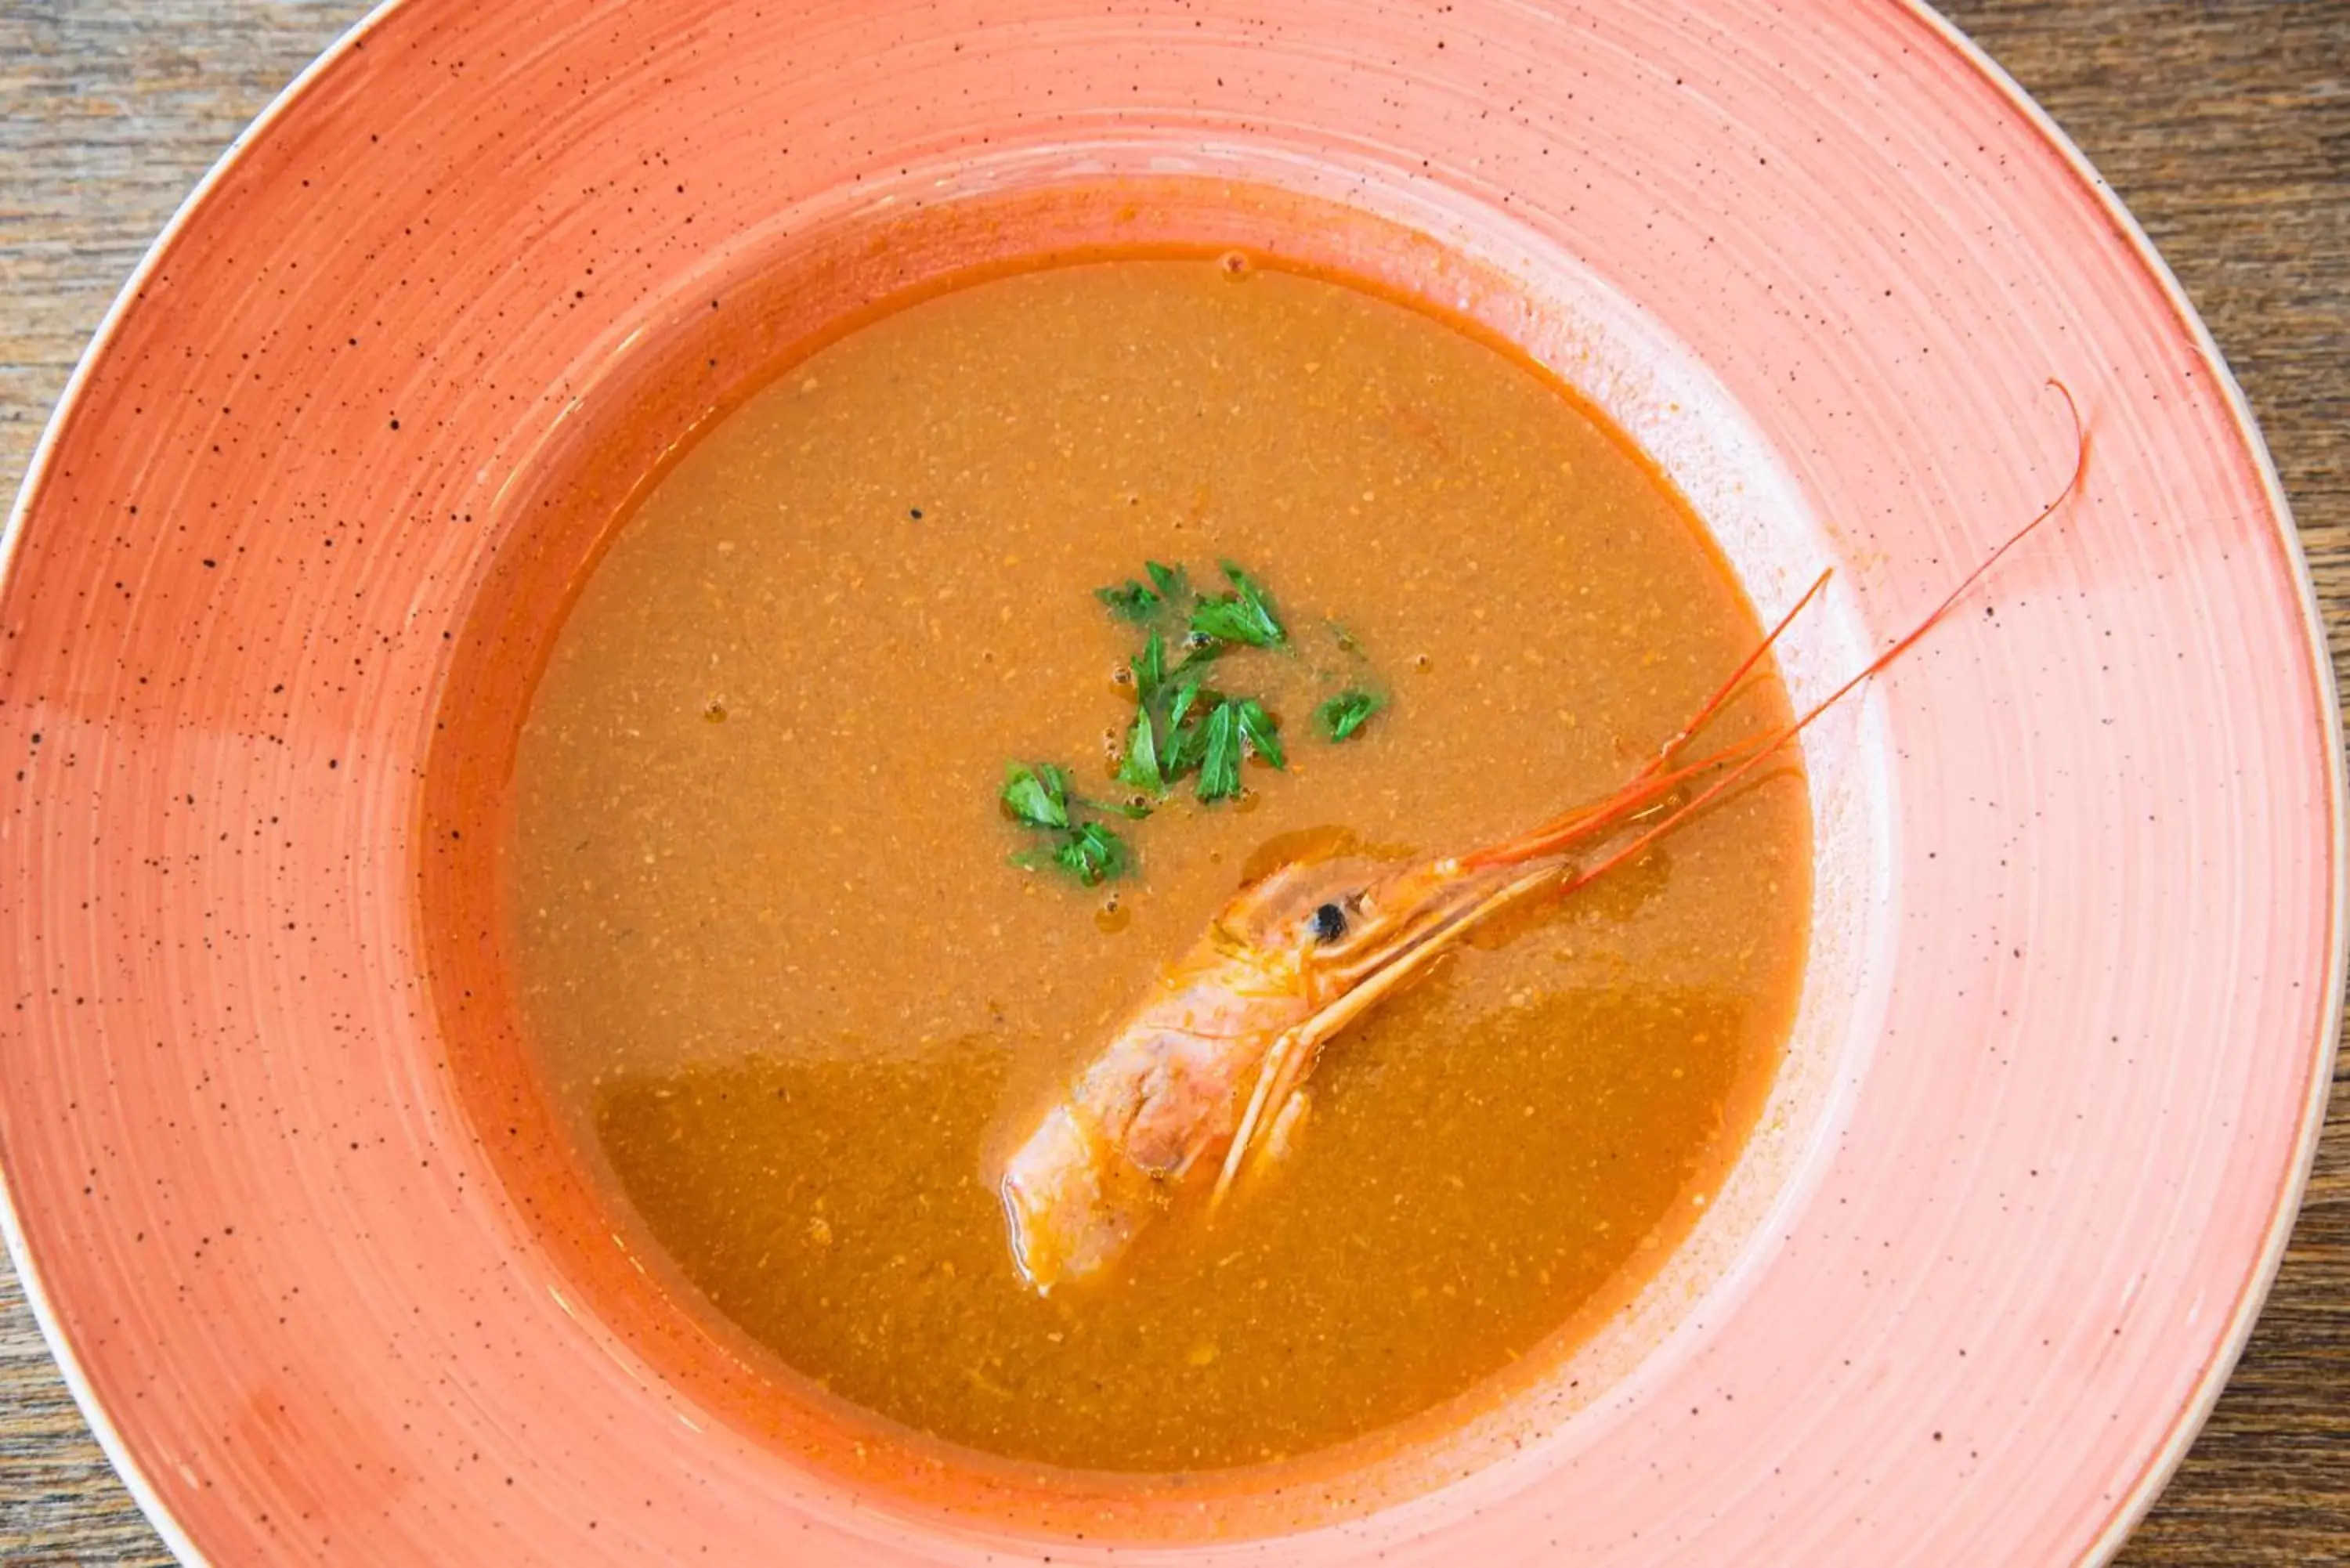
[
  {"x": 1093, "y": 854},
  {"x": 1347, "y": 712},
  {"x": 1250, "y": 589},
  {"x": 1257, "y": 728},
  {"x": 1139, "y": 766},
  {"x": 1149, "y": 668},
  {"x": 1187, "y": 749},
  {"x": 1038, "y": 796},
  {"x": 1182, "y": 727},
  {"x": 1232, "y": 619},
  {"x": 1186, "y": 693},
  {"x": 1129, "y": 601},
  {"x": 1203, "y": 652},
  {"x": 1201, "y": 705},
  {"x": 1219, "y": 758},
  {"x": 1172, "y": 582},
  {"x": 1246, "y": 615}
]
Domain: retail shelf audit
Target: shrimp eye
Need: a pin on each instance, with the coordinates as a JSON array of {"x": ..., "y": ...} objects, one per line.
[{"x": 1329, "y": 923}]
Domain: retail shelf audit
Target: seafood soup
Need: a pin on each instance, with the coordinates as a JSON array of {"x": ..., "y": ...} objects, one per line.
[{"x": 1000, "y": 875}]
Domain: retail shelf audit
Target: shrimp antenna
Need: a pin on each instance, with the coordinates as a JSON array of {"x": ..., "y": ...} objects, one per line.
[
  {"x": 1285, "y": 1063},
  {"x": 1722, "y": 694},
  {"x": 1652, "y": 785},
  {"x": 1750, "y": 755}
]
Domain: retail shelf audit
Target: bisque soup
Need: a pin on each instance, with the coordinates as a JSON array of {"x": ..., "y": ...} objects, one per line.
[{"x": 1026, "y": 872}]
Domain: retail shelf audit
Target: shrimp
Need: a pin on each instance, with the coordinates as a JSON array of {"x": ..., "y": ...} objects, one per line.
[{"x": 1207, "y": 1073}]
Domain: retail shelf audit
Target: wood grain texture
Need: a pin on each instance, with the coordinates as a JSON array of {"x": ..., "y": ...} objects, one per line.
[{"x": 2225, "y": 124}]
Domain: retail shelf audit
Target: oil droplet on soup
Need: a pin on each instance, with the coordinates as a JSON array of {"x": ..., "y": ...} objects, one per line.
[{"x": 796, "y": 1002}]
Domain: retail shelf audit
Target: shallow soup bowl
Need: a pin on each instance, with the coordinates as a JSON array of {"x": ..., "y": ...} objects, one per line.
[{"x": 295, "y": 1213}]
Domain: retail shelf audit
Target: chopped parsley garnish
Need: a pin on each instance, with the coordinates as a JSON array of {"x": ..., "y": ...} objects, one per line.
[
  {"x": 1182, "y": 728},
  {"x": 1246, "y": 615},
  {"x": 1199, "y": 653},
  {"x": 1139, "y": 766},
  {"x": 1347, "y": 712},
  {"x": 1187, "y": 691},
  {"x": 1092, "y": 854},
  {"x": 1037, "y": 796},
  {"x": 1220, "y": 753},
  {"x": 1174, "y": 585},
  {"x": 1129, "y": 601},
  {"x": 1180, "y": 703},
  {"x": 1257, "y": 728},
  {"x": 1149, "y": 668},
  {"x": 1187, "y": 746}
]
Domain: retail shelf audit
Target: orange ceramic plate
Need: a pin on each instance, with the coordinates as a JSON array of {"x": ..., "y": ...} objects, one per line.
[{"x": 2065, "y": 1034}]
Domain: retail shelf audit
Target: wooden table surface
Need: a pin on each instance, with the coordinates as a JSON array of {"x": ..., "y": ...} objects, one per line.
[{"x": 2225, "y": 124}]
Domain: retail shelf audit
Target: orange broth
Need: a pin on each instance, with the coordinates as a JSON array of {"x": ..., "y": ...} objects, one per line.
[{"x": 795, "y": 998}]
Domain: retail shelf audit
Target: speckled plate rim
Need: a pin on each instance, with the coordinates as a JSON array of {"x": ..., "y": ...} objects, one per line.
[
  {"x": 2133, "y": 1506},
  {"x": 2166, "y": 1459},
  {"x": 12, "y": 1229}
]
